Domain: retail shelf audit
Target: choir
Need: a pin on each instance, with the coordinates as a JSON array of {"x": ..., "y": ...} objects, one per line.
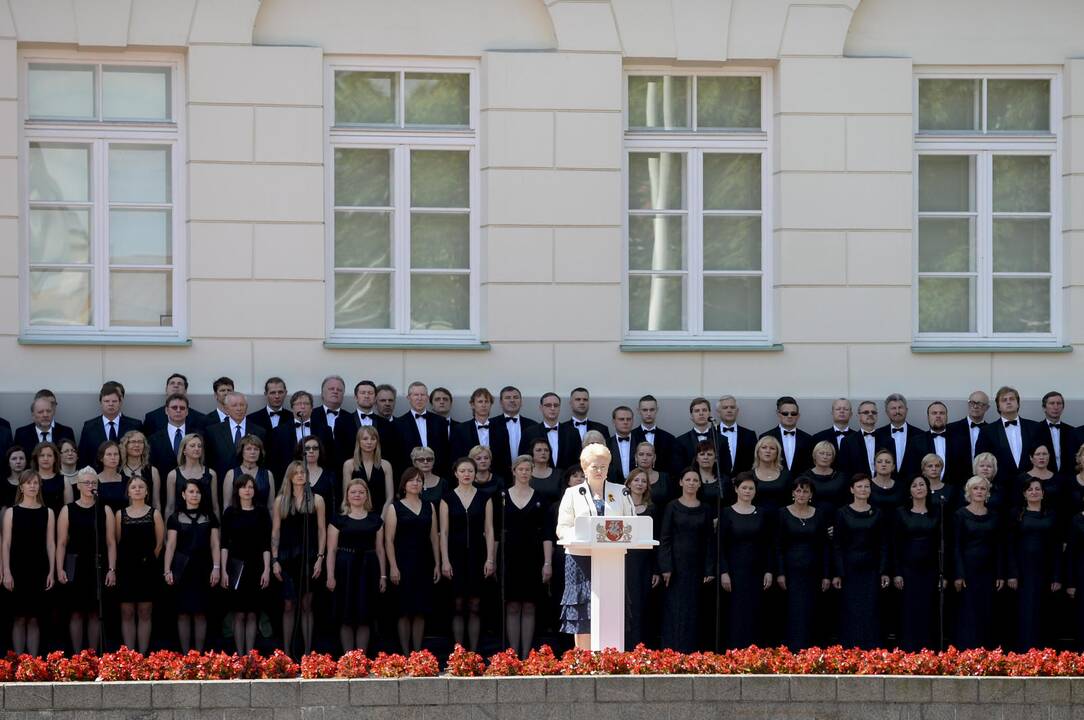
[{"x": 321, "y": 527}]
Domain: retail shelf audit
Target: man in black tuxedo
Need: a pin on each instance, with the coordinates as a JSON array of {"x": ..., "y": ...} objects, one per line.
[
  {"x": 742, "y": 440},
  {"x": 579, "y": 402},
  {"x": 327, "y": 415},
  {"x": 953, "y": 449},
  {"x": 648, "y": 431},
  {"x": 287, "y": 435},
  {"x": 483, "y": 430},
  {"x": 274, "y": 412},
  {"x": 860, "y": 447},
  {"x": 797, "y": 444},
  {"x": 222, "y": 387},
  {"x": 839, "y": 430},
  {"x": 622, "y": 449},
  {"x": 894, "y": 436},
  {"x": 348, "y": 425},
  {"x": 165, "y": 443},
  {"x": 686, "y": 444},
  {"x": 155, "y": 420},
  {"x": 565, "y": 443},
  {"x": 220, "y": 441},
  {"x": 440, "y": 403},
  {"x": 43, "y": 428},
  {"x": 515, "y": 425},
  {"x": 385, "y": 401},
  {"x": 110, "y": 425},
  {"x": 418, "y": 427},
  {"x": 968, "y": 428},
  {"x": 1010, "y": 439},
  {"x": 1060, "y": 438}
]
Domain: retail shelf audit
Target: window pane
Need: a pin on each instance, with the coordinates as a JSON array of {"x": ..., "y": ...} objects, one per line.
[
  {"x": 1021, "y": 183},
  {"x": 139, "y": 174},
  {"x": 61, "y": 92},
  {"x": 731, "y": 182},
  {"x": 659, "y": 102},
  {"x": 440, "y": 241},
  {"x": 728, "y": 102},
  {"x": 362, "y": 239},
  {"x": 946, "y": 245},
  {"x": 656, "y": 181},
  {"x": 1018, "y": 105},
  {"x": 437, "y": 99},
  {"x": 140, "y": 237},
  {"x": 1021, "y": 245},
  {"x": 59, "y": 172},
  {"x": 60, "y": 297},
  {"x": 130, "y": 93},
  {"x": 141, "y": 299},
  {"x": 946, "y": 105},
  {"x": 439, "y": 178},
  {"x": 946, "y": 305},
  {"x": 362, "y": 178},
  {"x": 656, "y": 242},
  {"x": 732, "y": 304},
  {"x": 656, "y": 302},
  {"x": 439, "y": 302},
  {"x": 366, "y": 98},
  {"x": 1021, "y": 305},
  {"x": 946, "y": 183},
  {"x": 59, "y": 235},
  {"x": 362, "y": 301},
  {"x": 731, "y": 242}
]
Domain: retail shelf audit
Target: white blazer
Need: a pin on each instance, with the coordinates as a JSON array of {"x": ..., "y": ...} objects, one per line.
[{"x": 578, "y": 501}]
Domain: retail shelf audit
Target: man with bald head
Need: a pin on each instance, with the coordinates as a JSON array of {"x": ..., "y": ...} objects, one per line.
[{"x": 968, "y": 428}]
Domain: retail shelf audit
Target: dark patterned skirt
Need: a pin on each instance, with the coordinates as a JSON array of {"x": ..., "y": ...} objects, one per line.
[{"x": 576, "y": 599}]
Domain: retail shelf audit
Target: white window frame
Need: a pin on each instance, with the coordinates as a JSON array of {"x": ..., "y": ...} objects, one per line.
[
  {"x": 99, "y": 135},
  {"x": 984, "y": 146},
  {"x": 694, "y": 145},
  {"x": 400, "y": 141}
]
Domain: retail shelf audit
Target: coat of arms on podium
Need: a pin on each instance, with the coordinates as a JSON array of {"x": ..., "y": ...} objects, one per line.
[{"x": 613, "y": 531}]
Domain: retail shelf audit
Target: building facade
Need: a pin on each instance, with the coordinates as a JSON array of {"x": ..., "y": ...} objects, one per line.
[{"x": 681, "y": 197}]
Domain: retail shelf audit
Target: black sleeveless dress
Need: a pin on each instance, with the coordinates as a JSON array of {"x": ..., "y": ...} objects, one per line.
[
  {"x": 467, "y": 543},
  {"x": 52, "y": 493},
  {"x": 298, "y": 547},
  {"x": 246, "y": 534},
  {"x": 377, "y": 492},
  {"x": 139, "y": 571},
  {"x": 192, "y": 559},
  {"x": 414, "y": 556},
  {"x": 357, "y": 570},
  {"x": 29, "y": 560},
  {"x": 205, "y": 504},
  {"x": 81, "y": 592}
]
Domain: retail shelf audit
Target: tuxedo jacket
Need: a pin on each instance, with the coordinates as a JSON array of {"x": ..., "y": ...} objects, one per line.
[
  {"x": 569, "y": 444},
  {"x": 93, "y": 435},
  {"x": 591, "y": 425},
  {"x": 829, "y": 434},
  {"x": 346, "y": 437},
  {"x": 6, "y": 439},
  {"x": 156, "y": 419},
  {"x": 1068, "y": 439},
  {"x": 284, "y": 446},
  {"x": 961, "y": 429},
  {"x": 853, "y": 454},
  {"x": 992, "y": 439},
  {"x": 341, "y": 447},
  {"x": 436, "y": 430},
  {"x": 27, "y": 436},
  {"x": 747, "y": 442},
  {"x": 616, "y": 473},
  {"x": 957, "y": 456},
  {"x": 261, "y": 418},
  {"x": 884, "y": 441},
  {"x": 220, "y": 449},
  {"x": 685, "y": 452},
  {"x": 465, "y": 437},
  {"x": 503, "y": 453},
  {"x": 803, "y": 450},
  {"x": 664, "y": 447}
]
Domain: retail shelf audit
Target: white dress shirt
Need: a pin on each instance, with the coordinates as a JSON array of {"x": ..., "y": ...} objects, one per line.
[
  {"x": 222, "y": 416},
  {"x": 790, "y": 437},
  {"x": 581, "y": 427},
  {"x": 275, "y": 419},
  {"x": 1055, "y": 440},
  {"x": 871, "y": 448},
  {"x": 973, "y": 430},
  {"x": 365, "y": 418},
  {"x": 730, "y": 432},
  {"x": 649, "y": 434},
  {"x": 116, "y": 426},
  {"x": 331, "y": 416},
  {"x": 171, "y": 432},
  {"x": 512, "y": 424},
  {"x": 483, "y": 432},
  {"x": 49, "y": 432},
  {"x": 899, "y": 438},
  {"x": 939, "y": 447},
  {"x": 423, "y": 428},
  {"x": 552, "y": 435},
  {"x": 302, "y": 428},
  {"x": 624, "y": 448},
  {"x": 1012, "y": 433},
  {"x": 234, "y": 426}
]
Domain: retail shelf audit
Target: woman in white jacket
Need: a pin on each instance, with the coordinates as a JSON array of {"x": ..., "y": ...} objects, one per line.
[{"x": 596, "y": 497}]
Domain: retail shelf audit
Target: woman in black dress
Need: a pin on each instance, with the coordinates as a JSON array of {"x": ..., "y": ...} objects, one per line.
[
  {"x": 135, "y": 461},
  {"x": 1074, "y": 564},
  {"x": 251, "y": 461},
  {"x": 527, "y": 556},
  {"x": 802, "y": 561},
  {"x": 433, "y": 486},
  {"x": 641, "y": 572},
  {"x": 467, "y": 549},
  {"x": 192, "y": 564},
  {"x": 713, "y": 491},
  {"x": 771, "y": 477},
  {"x": 917, "y": 538},
  {"x": 662, "y": 490},
  {"x": 369, "y": 465},
  {"x": 245, "y": 559},
  {"x": 191, "y": 467},
  {"x": 860, "y": 555},
  {"x": 686, "y": 562},
  {"x": 298, "y": 539},
  {"x": 745, "y": 563},
  {"x": 997, "y": 501},
  {"x": 356, "y": 565},
  {"x": 111, "y": 482},
  {"x": 69, "y": 461},
  {"x": 15, "y": 462},
  {"x": 886, "y": 493},
  {"x": 544, "y": 478},
  {"x": 831, "y": 490},
  {"x": 140, "y": 533},
  {"x": 1053, "y": 484},
  {"x": 86, "y": 559},
  {"x": 322, "y": 478},
  {"x": 978, "y": 566},
  {"x": 1074, "y": 485},
  {"x": 412, "y": 548},
  {"x": 1033, "y": 566},
  {"x": 29, "y": 546},
  {"x": 55, "y": 492}
]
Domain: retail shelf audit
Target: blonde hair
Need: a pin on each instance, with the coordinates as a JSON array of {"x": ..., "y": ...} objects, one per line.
[
  {"x": 422, "y": 450},
  {"x": 519, "y": 460},
  {"x": 480, "y": 450},
  {"x": 129, "y": 437},
  {"x": 972, "y": 483},
  {"x": 284, "y": 503},
  {"x": 593, "y": 437},
  {"x": 344, "y": 508},
  {"x": 931, "y": 458},
  {"x": 984, "y": 457},
  {"x": 824, "y": 445},
  {"x": 368, "y": 430},
  {"x": 184, "y": 444},
  {"x": 768, "y": 440},
  {"x": 640, "y": 472},
  {"x": 591, "y": 451}
]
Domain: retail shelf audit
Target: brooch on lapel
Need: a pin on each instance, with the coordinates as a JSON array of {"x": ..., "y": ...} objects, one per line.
[{"x": 610, "y": 497}]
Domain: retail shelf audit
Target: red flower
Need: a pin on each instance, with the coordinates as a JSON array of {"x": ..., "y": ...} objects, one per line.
[
  {"x": 464, "y": 663},
  {"x": 388, "y": 666},
  {"x": 504, "y": 664},
  {"x": 353, "y": 664},
  {"x": 32, "y": 669},
  {"x": 315, "y": 666},
  {"x": 541, "y": 662},
  {"x": 279, "y": 666},
  {"x": 422, "y": 663}
]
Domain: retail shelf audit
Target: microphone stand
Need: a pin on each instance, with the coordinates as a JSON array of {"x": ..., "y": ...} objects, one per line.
[
  {"x": 303, "y": 570},
  {"x": 941, "y": 571},
  {"x": 98, "y": 573},
  {"x": 503, "y": 548},
  {"x": 718, "y": 535}
]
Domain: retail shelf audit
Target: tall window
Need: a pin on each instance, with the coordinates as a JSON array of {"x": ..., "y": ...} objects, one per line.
[
  {"x": 102, "y": 183},
  {"x": 698, "y": 223},
  {"x": 987, "y": 210},
  {"x": 403, "y": 227}
]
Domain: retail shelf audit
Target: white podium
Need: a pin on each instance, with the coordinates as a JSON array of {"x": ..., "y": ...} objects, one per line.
[{"x": 606, "y": 539}]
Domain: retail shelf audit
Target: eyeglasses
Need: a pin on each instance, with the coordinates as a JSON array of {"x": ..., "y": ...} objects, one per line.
[
  {"x": 425, "y": 459},
  {"x": 788, "y": 413},
  {"x": 977, "y": 403},
  {"x": 312, "y": 448},
  {"x": 599, "y": 467}
]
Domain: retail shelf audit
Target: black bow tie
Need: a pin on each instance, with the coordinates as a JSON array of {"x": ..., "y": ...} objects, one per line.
[
  {"x": 511, "y": 419},
  {"x": 701, "y": 437},
  {"x": 579, "y": 423},
  {"x": 1056, "y": 425},
  {"x": 332, "y": 412},
  {"x": 788, "y": 432},
  {"x": 977, "y": 424},
  {"x": 419, "y": 417},
  {"x": 867, "y": 434},
  {"x": 298, "y": 423},
  {"x": 274, "y": 413},
  {"x": 647, "y": 431},
  {"x": 1011, "y": 422},
  {"x": 622, "y": 439},
  {"x": 896, "y": 430},
  {"x": 365, "y": 416},
  {"x": 483, "y": 426},
  {"x": 841, "y": 433},
  {"x": 937, "y": 434},
  {"x": 727, "y": 429},
  {"x": 552, "y": 429}
]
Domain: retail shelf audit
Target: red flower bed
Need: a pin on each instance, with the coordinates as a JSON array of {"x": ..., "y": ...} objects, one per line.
[{"x": 127, "y": 664}]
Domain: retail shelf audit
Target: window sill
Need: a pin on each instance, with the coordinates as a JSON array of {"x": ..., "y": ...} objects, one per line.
[
  {"x": 943, "y": 349},
  {"x": 103, "y": 340},
  {"x": 698, "y": 347},
  {"x": 404, "y": 345}
]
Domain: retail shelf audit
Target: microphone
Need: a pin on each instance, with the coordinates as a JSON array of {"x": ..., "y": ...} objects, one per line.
[
  {"x": 583, "y": 491},
  {"x": 626, "y": 492}
]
